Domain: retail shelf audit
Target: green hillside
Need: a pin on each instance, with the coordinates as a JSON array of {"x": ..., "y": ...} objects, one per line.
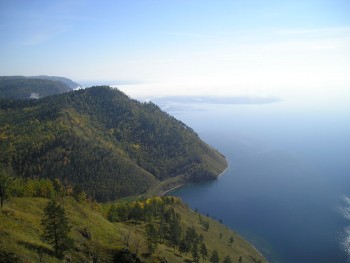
[
  {"x": 18, "y": 87},
  {"x": 98, "y": 240},
  {"x": 98, "y": 138}
]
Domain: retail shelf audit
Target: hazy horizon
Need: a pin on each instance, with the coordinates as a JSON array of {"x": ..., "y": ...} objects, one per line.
[{"x": 286, "y": 49}]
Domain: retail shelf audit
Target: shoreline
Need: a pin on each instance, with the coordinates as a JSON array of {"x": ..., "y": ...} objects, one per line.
[
  {"x": 224, "y": 171},
  {"x": 173, "y": 188},
  {"x": 219, "y": 176},
  {"x": 183, "y": 184}
]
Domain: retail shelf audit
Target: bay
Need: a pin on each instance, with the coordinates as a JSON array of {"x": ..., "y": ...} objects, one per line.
[{"x": 288, "y": 179}]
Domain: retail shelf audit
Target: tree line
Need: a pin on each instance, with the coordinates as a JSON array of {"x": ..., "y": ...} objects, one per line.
[{"x": 12, "y": 186}]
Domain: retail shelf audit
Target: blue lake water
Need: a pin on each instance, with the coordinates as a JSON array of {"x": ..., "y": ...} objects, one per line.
[{"x": 288, "y": 179}]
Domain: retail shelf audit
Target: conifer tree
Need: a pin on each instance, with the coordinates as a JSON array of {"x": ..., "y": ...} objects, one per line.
[
  {"x": 174, "y": 231},
  {"x": 204, "y": 251},
  {"x": 151, "y": 235},
  {"x": 5, "y": 181},
  {"x": 56, "y": 228},
  {"x": 195, "y": 254},
  {"x": 79, "y": 194},
  {"x": 214, "y": 257},
  {"x": 136, "y": 212},
  {"x": 230, "y": 241},
  {"x": 227, "y": 259},
  {"x": 184, "y": 246},
  {"x": 58, "y": 187}
]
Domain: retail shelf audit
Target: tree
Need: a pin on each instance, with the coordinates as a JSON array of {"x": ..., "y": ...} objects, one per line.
[
  {"x": 200, "y": 238},
  {"x": 230, "y": 241},
  {"x": 204, "y": 251},
  {"x": 194, "y": 252},
  {"x": 174, "y": 231},
  {"x": 214, "y": 257},
  {"x": 56, "y": 228},
  {"x": 57, "y": 185},
  {"x": 5, "y": 182},
  {"x": 152, "y": 237},
  {"x": 136, "y": 212},
  {"x": 227, "y": 260},
  {"x": 184, "y": 247},
  {"x": 79, "y": 194},
  {"x": 191, "y": 235},
  {"x": 125, "y": 256},
  {"x": 200, "y": 218}
]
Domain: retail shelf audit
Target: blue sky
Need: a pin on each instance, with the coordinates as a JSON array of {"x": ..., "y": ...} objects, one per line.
[{"x": 277, "y": 48}]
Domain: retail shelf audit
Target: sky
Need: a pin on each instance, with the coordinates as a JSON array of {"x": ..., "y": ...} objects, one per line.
[{"x": 183, "y": 47}]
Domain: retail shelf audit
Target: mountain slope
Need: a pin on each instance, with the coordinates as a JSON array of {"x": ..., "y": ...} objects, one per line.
[{"x": 109, "y": 144}]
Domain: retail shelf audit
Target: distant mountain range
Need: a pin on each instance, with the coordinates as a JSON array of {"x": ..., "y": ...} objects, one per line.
[
  {"x": 70, "y": 83},
  {"x": 34, "y": 87}
]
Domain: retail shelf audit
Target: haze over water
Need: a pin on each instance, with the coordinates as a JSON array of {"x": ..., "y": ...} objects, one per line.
[{"x": 287, "y": 186}]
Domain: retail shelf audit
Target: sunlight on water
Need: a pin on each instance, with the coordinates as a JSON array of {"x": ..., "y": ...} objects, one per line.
[
  {"x": 345, "y": 210},
  {"x": 345, "y": 239}
]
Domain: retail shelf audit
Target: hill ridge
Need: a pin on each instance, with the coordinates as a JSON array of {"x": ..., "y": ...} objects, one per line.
[{"x": 99, "y": 138}]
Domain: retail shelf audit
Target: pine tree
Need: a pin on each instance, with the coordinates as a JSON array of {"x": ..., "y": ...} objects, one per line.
[
  {"x": 230, "y": 241},
  {"x": 227, "y": 260},
  {"x": 204, "y": 251},
  {"x": 136, "y": 212},
  {"x": 174, "y": 231},
  {"x": 79, "y": 194},
  {"x": 214, "y": 257},
  {"x": 184, "y": 246},
  {"x": 194, "y": 252},
  {"x": 152, "y": 237},
  {"x": 5, "y": 182},
  {"x": 57, "y": 185},
  {"x": 56, "y": 228}
]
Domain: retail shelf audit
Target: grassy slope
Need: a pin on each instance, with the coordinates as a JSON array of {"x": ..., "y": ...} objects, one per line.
[
  {"x": 20, "y": 234},
  {"x": 20, "y": 228}
]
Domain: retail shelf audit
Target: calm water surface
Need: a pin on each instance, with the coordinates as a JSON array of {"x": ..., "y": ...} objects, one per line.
[{"x": 288, "y": 179}]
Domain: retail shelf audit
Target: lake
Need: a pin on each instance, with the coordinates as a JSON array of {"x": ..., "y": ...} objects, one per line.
[{"x": 288, "y": 179}]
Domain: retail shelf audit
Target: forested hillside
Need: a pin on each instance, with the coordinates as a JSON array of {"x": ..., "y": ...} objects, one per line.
[
  {"x": 18, "y": 87},
  {"x": 71, "y": 84},
  {"x": 98, "y": 138}
]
